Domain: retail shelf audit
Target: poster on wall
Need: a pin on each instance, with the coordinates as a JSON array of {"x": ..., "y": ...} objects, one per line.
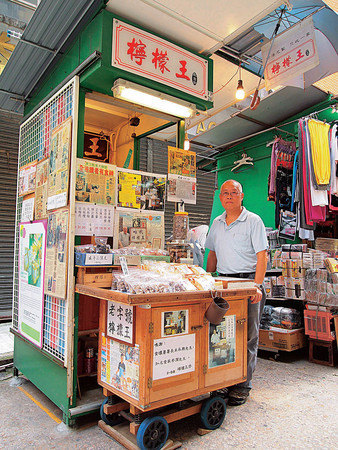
[
  {"x": 96, "y": 146},
  {"x": 173, "y": 356},
  {"x": 27, "y": 175},
  {"x": 120, "y": 322},
  {"x": 181, "y": 162},
  {"x": 141, "y": 190},
  {"x": 94, "y": 220},
  {"x": 32, "y": 256},
  {"x": 120, "y": 366},
  {"x": 174, "y": 322},
  {"x": 41, "y": 187},
  {"x": 27, "y": 210},
  {"x": 181, "y": 188},
  {"x": 95, "y": 182},
  {"x": 222, "y": 342},
  {"x": 59, "y": 162},
  {"x": 57, "y": 254},
  {"x": 138, "y": 229}
]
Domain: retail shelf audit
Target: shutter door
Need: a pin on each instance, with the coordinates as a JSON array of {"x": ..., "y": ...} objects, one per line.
[
  {"x": 9, "y": 146},
  {"x": 154, "y": 158}
]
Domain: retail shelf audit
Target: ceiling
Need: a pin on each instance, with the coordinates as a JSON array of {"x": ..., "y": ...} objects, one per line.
[{"x": 229, "y": 31}]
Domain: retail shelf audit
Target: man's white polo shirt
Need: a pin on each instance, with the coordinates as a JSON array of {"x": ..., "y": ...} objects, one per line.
[{"x": 236, "y": 244}]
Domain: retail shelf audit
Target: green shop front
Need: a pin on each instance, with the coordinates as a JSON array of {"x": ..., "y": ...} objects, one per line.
[{"x": 116, "y": 84}]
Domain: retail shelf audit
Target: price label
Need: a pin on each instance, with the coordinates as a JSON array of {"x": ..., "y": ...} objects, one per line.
[{"x": 124, "y": 265}]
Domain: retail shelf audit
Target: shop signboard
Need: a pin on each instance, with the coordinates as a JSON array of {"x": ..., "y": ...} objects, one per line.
[
  {"x": 120, "y": 322},
  {"x": 293, "y": 53},
  {"x": 149, "y": 56},
  {"x": 32, "y": 255}
]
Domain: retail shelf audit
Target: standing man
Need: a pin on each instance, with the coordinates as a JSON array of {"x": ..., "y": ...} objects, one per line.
[{"x": 238, "y": 248}]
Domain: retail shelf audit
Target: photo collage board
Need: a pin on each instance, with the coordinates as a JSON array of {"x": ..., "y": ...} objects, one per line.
[{"x": 43, "y": 231}]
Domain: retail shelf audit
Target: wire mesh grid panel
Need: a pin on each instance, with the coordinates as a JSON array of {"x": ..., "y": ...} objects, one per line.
[
  {"x": 34, "y": 145},
  {"x": 54, "y": 326}
]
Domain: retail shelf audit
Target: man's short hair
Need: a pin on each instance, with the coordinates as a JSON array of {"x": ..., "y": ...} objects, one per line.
[{"x": 235, "y": 182}]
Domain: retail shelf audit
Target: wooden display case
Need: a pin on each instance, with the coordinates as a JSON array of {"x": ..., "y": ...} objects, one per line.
[{"x": 207, "y": 374}]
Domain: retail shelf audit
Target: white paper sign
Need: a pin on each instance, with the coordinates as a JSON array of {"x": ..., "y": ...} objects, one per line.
[
  {"x": 181, "y": 188},
  {"x": 124, "y": 265},
  {"x": 120, "y": 322},
  {"x": 94, "y": 220},
  {"x": 149, "y": 56},
  {"x": 27, "y": 211},
  {"x": 32, "y": 255},
  {"x": 173, "y": 356},
  {"x": 293, "y": 53},
  {"x": 98, "y": 259}
]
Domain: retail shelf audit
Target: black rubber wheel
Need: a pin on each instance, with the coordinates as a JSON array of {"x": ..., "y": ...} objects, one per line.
[
  {"x": 153, "y": 433},
  {"x": 213, "y": 412},
  {"x": 109, "y": 419}
]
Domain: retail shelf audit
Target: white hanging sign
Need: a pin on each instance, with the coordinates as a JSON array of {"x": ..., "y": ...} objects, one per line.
[
  {"x": 120, "y": 322},
  {"x": 293, "y": 53},
  {"x": 149, "y": 56}
]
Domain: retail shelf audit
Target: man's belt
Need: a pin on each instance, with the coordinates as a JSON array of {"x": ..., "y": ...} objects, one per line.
[{"x": 238, "y": 275}]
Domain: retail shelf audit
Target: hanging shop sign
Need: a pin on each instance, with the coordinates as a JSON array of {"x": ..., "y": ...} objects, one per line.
[
  {"x": 293, "y": 53},
  {"x": 141, "y": 190},
  {"x": 56, "y": 254},
  {"x": 96, "y": 146},
  {"x": 58, "y": 177},
  {"x": 222, "y": 342},
  {"x": 181, "y": 162},
  {"x": 32, "y": 255},
  {"x": 120, "y": 322},
  {"x": 95, "y": 182},
  {"x": 144, "y": 54}
]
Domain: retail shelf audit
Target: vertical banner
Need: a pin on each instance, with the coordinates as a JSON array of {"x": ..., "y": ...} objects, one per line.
[{"x": 32, "y": 256}]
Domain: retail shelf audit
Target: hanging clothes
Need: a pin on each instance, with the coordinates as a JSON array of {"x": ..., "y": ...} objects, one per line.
[
  {"x": 334, "y": 159},
  {"x": 320, "y": 152}
]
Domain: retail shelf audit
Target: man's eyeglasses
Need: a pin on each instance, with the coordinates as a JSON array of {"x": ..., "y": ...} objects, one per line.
[{"x": 230, "y": 194}]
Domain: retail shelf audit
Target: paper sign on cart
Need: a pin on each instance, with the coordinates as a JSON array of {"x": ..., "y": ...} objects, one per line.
[
  {"x": 173, "y": 356},
  {"x": 222, "y": 342},
  {"x": 120, "y": 322}
]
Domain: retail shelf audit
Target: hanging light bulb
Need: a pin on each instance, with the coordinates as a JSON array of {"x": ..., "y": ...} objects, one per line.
[
  {"x": 240, "y": 94},
  {"x": 186, "y": 143}
]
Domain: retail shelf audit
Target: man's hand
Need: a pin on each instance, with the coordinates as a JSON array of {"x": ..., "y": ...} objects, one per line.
[{"x": 258, "y": 297}]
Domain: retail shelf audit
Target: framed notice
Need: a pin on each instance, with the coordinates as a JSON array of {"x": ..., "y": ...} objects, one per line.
[
  {"x": 94, "y": 220},
  {"x": 181, "y": 162},
  {"x": 32, "y": 256},
  {"x": 222, "y": 342},
  {"x": 95, "y": 182},
  {"x": 59, "y": 159},
  {"x": 41, "y": 189},
  {"x": 181, "y": 188},
  {"x": 120, "y": 322},
  {"x": 141, "y": 190},
  {"x": 27, "y": 176},
  {"x": 57, "y": 254},
  {"x": 138, "y": 228}
]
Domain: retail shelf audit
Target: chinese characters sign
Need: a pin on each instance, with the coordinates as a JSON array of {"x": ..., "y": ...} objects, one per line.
[
  {"x": 293, "y": 53},
  {"x": 120, "y": 321},
  {"x": 181, "y": 162},
  {"x": 173, "y": 356},
  {"x": 144, "y": 54},
  {"x": 94, "y": 220},
  {"x": 95, "y": 182}
]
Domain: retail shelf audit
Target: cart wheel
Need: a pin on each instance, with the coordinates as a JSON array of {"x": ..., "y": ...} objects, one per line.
[
  {"x": 153, "y": 433},
  {"x": 213, "y": 412},
  {"x": 109, "y": 419}
]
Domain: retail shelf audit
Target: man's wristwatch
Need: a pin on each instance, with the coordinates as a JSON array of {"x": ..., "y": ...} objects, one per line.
[{"x": 259, "y": 286}]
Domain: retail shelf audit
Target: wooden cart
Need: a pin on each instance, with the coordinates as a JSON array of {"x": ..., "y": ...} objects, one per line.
[{"x": 169, "y": 370}]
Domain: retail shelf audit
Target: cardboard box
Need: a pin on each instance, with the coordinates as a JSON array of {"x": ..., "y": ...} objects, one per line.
[{"x": 287, "y": 340}]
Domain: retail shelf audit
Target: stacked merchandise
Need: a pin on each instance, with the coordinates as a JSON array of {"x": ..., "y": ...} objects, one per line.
[
  {"x": 135, "y": 256},
  {"x": 161, "y": 277},
  {"x": 294, "y": 260},
  {"x": 280, "y": 317}
]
